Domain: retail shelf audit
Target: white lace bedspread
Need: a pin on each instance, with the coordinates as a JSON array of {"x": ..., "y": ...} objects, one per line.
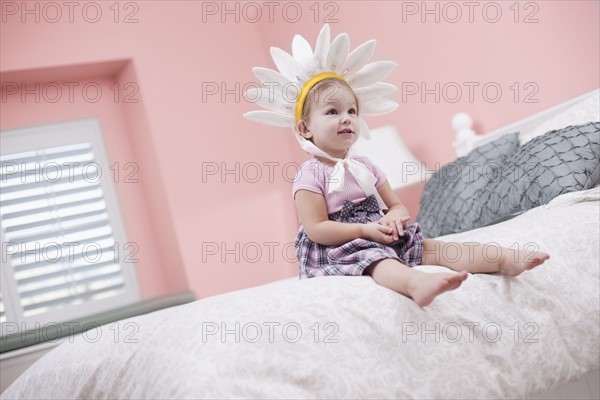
[{"x": 494, "y": 337}]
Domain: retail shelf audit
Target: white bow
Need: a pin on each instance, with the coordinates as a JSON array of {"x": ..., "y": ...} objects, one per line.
[{"x": 365, "y": 179}]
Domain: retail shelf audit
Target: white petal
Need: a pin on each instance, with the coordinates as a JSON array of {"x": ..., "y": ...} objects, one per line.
[
  {"x": 322, "y": 46},
  {"x": 338, "y": 52},
  {"x": 285, "y": 64},
  {"x": 270, "y": 118},
  {"x": 378, "y": 106},
  {"x": 378, "y": 89},
  {"x": 371, "y": 73},
  {"x": 270, "y": 78},
  {"x": 359, "y": 57},
  {"x": 269, "y": 99},
  {"x": 363, "y": 129},
  {"x": 301, "y": 50}
]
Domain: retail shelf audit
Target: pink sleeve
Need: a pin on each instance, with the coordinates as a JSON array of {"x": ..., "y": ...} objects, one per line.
[
  {"x": 378, "y": 172},
  {"x": 308, "y": 178}
]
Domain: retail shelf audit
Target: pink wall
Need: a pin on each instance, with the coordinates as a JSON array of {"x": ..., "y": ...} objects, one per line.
[{"x": 197, "y": 216}]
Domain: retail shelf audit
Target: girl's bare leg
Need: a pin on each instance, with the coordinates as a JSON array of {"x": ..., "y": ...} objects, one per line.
[
  {"x": 481, "y": 257},
  {"x": 422, "y": 287}
]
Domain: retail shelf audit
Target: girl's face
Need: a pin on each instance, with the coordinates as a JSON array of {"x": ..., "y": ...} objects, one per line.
[{"x": 332, "y": 121}]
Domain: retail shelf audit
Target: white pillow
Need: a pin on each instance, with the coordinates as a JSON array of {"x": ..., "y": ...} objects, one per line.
[{"x": 586, "y": 110}]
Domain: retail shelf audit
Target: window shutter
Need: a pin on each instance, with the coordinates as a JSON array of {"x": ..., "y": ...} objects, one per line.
[{"x": 61, "y": 228}]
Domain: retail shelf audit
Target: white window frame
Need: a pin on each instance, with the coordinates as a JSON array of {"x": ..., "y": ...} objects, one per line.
[{"x": 51, "y": 135}]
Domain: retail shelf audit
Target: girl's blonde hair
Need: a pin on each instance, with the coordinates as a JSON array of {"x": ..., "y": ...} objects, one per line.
[{"x": 320, "y": 89}]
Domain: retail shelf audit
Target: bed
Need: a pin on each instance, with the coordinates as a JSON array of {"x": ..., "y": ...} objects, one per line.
[{"x": 346, "y": 337}]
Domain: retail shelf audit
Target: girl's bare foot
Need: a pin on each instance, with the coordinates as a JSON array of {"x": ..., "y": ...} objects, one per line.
[
  {"x": 515, "y": 262},
  {"x": 425, "y": 287}
]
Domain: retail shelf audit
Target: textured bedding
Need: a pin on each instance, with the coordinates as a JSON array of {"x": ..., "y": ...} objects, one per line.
[{"x": 346, "y": 337}]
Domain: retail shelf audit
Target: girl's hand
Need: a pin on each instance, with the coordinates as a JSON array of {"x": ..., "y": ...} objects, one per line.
[
  {"x": 396, "y": 222},
  {"x": 377, "y": 232}
]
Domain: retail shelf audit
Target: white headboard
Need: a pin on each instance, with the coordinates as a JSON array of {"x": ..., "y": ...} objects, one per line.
[{"x": 466, "y": 139}]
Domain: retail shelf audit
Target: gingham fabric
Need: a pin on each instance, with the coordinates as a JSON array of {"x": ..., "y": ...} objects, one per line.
[{"x": 353, "y": 257}]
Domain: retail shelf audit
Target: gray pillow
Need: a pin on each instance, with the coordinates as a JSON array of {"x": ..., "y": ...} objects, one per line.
[
  {"x": 448, "y": 195},
  {"x": 560, "y": 161}
]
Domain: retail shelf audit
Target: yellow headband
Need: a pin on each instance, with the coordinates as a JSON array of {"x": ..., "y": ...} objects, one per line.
[{"x": 306, "y": 88}]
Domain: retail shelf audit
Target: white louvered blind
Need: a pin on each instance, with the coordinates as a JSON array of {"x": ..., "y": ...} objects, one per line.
[{"x": 63, "y": 239}]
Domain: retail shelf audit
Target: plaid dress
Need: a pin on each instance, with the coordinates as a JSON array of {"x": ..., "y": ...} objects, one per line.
[{"x": 353, "y": 257}]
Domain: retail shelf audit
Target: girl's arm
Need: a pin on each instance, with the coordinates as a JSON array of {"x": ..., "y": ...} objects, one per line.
[
  {"x": 312, "y": 212},
  {"x": 397, "y": 215}
]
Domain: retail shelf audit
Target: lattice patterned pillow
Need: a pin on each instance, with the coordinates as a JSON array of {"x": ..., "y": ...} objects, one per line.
[
  {"x": 561, "y": 161},
  {"x": 448, "y": 195},
  {"x": 497, "y": 181}
]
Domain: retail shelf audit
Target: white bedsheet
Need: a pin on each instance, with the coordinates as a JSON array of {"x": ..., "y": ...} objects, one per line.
[{"x": 519, "y": 336}]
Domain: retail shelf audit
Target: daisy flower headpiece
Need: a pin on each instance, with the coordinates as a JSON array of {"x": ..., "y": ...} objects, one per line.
[{"x": 286, "y": 91}]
